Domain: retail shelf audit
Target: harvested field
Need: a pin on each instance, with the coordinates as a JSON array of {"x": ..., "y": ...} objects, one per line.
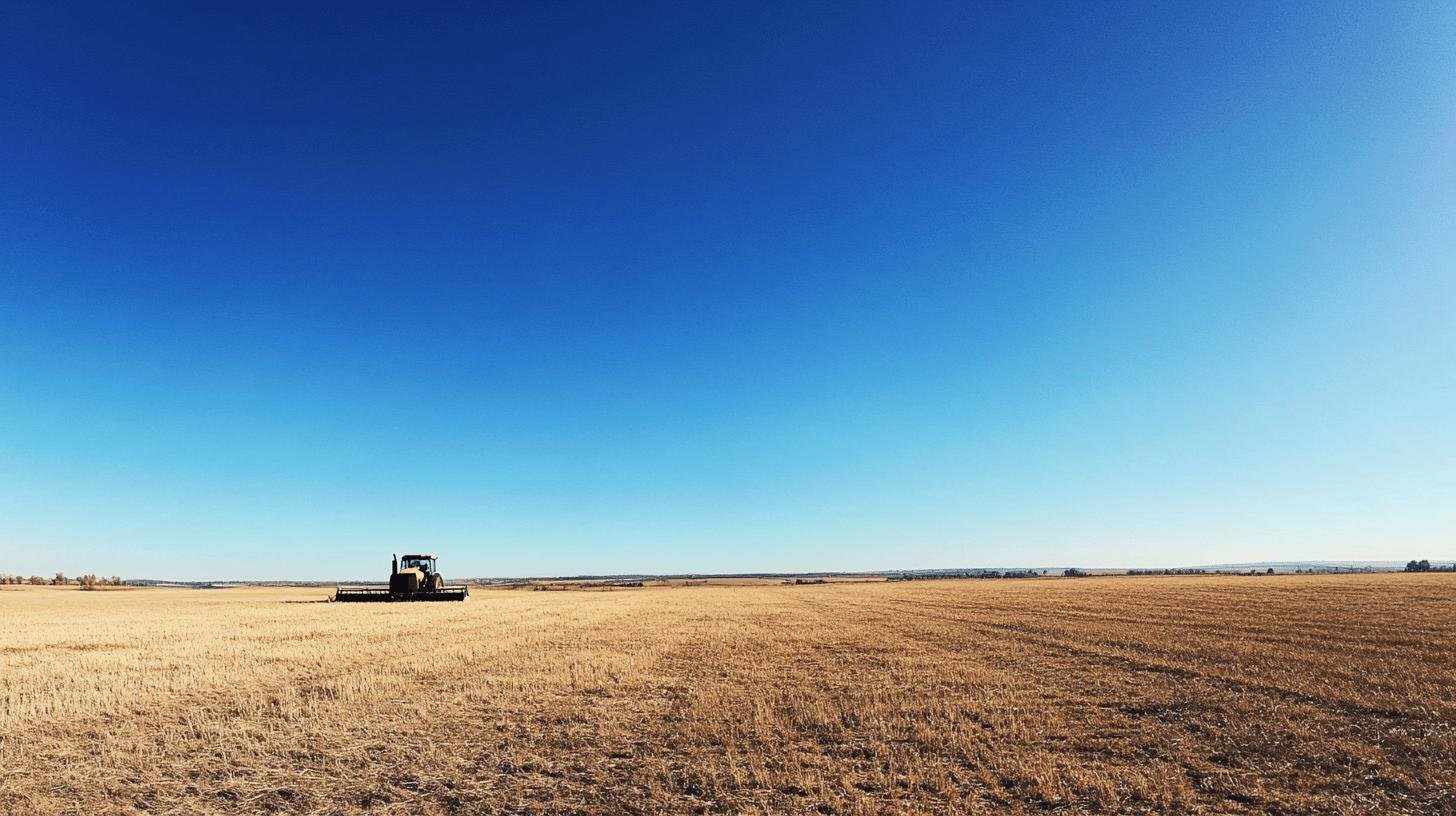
[{"x": 1269, "y": 694}]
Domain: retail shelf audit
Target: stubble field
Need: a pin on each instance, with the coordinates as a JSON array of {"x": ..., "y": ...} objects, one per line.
[{"x": 1277, "y": 694}]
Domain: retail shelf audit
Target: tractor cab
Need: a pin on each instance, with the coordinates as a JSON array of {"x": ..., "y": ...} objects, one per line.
[{"x": 424, "y": 563}]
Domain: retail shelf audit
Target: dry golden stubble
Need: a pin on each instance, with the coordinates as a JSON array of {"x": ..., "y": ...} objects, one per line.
[{"x": 1288, "y": 694}]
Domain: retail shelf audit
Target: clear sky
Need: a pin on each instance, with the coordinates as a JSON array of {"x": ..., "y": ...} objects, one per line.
[{"x": 678, "y": 287}]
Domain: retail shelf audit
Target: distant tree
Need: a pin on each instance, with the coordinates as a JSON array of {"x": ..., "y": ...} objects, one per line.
[
  {"x": 1269, "y": 571},
  {"x": 88, "y": 581},
  {"x": 37, "y": 580},
  {"x": 59, "y": 579},
  {"x": 116, "y": 581},
  {"x": 1073, "y": 573},
  {"x": 1423, "y": 565}
]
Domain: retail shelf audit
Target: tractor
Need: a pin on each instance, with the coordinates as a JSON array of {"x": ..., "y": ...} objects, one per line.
[{"x": 411, "y": 578}]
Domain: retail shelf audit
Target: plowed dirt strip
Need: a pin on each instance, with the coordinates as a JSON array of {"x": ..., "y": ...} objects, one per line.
[{"x": 1293, "y": 694}]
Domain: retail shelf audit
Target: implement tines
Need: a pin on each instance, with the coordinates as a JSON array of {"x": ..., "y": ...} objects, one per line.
[{"x": 384, "y": 595}]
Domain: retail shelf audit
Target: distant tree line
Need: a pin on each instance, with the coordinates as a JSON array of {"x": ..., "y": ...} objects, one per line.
[
  {"x": 87, "y": 581},
  {"x": 1424, "y": 565},
  {"x": 562, "y": 586},
  {"x": 952, "y": 574},
  {"x": 1199, "y": 571}
]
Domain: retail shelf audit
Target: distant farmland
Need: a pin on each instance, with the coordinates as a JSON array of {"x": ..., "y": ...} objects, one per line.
[{"x": 1268, "y": 694}]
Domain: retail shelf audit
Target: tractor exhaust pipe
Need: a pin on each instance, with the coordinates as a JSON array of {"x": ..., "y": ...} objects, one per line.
[{"x": 393, "y": 565}]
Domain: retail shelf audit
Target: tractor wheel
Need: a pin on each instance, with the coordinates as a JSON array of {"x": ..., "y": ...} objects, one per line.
[{"x": 437, "y": 582}]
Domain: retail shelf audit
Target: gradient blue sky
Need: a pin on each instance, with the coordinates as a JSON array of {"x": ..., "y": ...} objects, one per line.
[{"x": 553, "y": 290}]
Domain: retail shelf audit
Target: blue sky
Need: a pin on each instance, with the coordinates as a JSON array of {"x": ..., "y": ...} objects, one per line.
[{"x": 675, "y": 288}]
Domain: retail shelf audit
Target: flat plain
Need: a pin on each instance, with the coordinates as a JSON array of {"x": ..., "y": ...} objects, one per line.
[{"x": 1267, "y": 694}]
